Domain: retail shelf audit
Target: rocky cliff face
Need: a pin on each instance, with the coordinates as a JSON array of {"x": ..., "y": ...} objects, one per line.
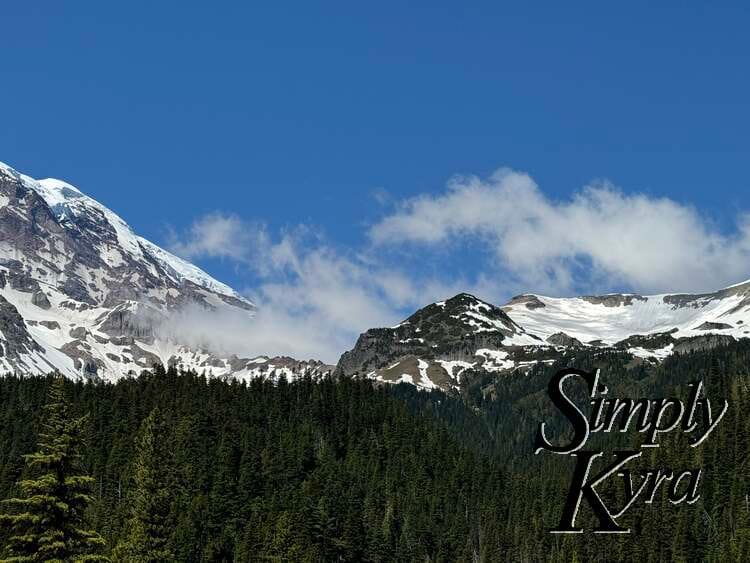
[
  {"x": 81, "y": 293},
  {"x": 437, "y": 343},
  {"x": 455, "y": 329},
  {"x": 440, "y": 345}
]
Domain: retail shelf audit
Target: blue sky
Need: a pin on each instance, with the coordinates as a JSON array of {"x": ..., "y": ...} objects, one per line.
[{"x": 320, "y": 122}]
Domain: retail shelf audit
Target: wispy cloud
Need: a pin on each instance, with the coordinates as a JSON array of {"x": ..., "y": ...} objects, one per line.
[
  {"x": 313, "y": 299},
  {"x": 217, "y": 235},
  {"x": 494, "y": 237},
  {"x": 600, "y": 237}
]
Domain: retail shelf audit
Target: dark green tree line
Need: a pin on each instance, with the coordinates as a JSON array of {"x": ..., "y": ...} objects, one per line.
[
  {"x": 47, "y": 519},
  {"x": 189, "y": 469}
]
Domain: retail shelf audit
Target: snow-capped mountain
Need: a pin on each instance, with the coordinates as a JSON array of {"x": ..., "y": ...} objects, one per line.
[
  {"x": 438, "y": 345},
  {"x": 612, "y": 319},
  {"x": 432, "y": 347},
  {"x": 81, "y": 293}
]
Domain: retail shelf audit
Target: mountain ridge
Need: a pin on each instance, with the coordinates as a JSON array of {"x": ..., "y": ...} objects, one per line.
[
  {"x": 82, "y": 294},
  {"x": 649, "y": 328}
]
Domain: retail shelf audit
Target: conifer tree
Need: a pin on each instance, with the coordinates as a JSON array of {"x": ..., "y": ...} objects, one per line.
[
  {"x": 147, "y": 530},
  {"x": 46, "y": 520}
]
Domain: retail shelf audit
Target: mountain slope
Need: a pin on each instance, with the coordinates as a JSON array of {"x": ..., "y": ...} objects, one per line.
[
  {"x": 438, "y": 345},
  {"x": 613, "y": 320},
  {"x": 81, "y": 293}
]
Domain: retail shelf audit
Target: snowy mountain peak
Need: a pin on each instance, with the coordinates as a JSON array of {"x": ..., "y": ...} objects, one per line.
[
  {"x": 59, "y": 189},
  {"x": 71, "y": 205},
  {"x": 440, "y": 344},
  {"x": 613, "y": 318},
  {"x": 435, "y": 344},
  {"x": 467, "y": 313},
  {"x": 83, "y": 294}
]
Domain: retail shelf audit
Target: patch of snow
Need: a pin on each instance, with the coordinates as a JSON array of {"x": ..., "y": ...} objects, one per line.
[{"x": 183, "y": 270}]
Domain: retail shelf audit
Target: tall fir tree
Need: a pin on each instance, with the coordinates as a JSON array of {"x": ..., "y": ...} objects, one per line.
[
  {"x": 148, "y": 528},
  {"x": 47, "y": 519}
]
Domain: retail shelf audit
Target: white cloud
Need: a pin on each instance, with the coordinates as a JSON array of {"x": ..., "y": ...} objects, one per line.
[
  {"x": 217, "y": 235},
  {"x": 493, "y": 237},
  {"x": 313, "y": 300},
  {"x": 381, "y": 196},
  {"x": 600, "y": 237}
]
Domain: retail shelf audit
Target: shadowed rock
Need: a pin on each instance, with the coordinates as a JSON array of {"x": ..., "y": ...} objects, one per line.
[
  {"x": 562, "y": 339},
  {"x": 39, "y": 298},
  {"x": 713, "y": 326},
  {"x": 613, "y": 300}
]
